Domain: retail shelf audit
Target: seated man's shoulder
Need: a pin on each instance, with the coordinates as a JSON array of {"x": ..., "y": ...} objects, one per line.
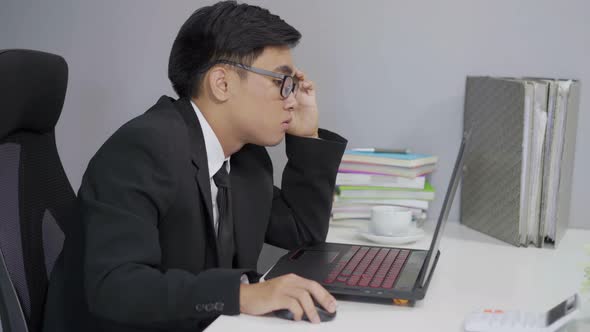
[
  {"x": 160, "y": 128},
  {"x": 160, "y": 121}
]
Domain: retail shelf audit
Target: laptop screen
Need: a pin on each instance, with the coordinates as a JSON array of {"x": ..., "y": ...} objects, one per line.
[{"x": 444, "y": 213}]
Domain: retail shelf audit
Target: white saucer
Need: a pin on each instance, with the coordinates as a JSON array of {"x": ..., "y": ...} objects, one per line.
[{"x": 413, "y": 235}]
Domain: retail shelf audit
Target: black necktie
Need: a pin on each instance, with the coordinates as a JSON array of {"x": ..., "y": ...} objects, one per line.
[{"x": 225, "y": 230}]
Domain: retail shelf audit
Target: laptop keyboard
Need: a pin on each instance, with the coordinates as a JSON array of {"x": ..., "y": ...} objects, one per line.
[{"x": 365, "y": 266}]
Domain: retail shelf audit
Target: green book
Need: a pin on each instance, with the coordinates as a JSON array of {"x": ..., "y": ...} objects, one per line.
[{"x": 387, "y": 192}]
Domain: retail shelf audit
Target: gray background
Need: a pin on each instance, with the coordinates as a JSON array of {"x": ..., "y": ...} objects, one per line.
[{"x": 389, "y": 73}]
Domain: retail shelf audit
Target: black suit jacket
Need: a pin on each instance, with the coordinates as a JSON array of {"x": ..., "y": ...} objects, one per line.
[{"x": 149, "y": 256}]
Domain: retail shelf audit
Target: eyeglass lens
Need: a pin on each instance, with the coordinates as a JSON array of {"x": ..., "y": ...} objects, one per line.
[{"x": 288, "y": 87}]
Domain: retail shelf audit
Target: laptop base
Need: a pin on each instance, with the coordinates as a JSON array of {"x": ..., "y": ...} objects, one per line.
[{"x": 323, "y": 257}]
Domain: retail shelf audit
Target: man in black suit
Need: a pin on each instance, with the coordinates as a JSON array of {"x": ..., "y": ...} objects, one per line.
[{"x": 176, "y": 205}]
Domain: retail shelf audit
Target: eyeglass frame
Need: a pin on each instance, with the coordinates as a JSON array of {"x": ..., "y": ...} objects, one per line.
[{"x": 260, "y": 71}]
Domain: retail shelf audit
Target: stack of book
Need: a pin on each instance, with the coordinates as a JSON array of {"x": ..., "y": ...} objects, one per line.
[{"x": 367, "y": 179}]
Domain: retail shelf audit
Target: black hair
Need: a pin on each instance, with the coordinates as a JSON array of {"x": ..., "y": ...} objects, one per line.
[{"x": 226, "y": 30}]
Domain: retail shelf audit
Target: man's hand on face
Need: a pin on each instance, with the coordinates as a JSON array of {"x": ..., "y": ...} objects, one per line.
[
  {"x": 305, "y": 114},
  {"x": 286, "y": 292}
]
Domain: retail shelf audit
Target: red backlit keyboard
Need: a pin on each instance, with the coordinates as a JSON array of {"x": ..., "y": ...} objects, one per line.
[{"x": 365, "y": 266}]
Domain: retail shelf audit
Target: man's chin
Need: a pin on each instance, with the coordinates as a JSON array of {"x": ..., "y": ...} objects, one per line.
[
  {"x": 270, "y": 141},
  {"x": 274, "y": 141},
  {"x": 277, "y": 142}
]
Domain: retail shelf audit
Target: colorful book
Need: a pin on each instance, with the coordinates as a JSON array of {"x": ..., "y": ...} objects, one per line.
[
  {"x": 387, "y": 193},
  {"x": 410, "y": 160},
  {"x": 386, "y": 170},
  {"x": 411, "y": 203},
  {"x": 364, "y": 212},
  {"x": 377, "y": 180}
]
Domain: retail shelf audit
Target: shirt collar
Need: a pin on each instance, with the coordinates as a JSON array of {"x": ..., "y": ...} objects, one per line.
[{"x": 215, "y": 155}]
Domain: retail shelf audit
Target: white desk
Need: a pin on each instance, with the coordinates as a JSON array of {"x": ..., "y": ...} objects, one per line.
[{"x": 473, "y": 271}]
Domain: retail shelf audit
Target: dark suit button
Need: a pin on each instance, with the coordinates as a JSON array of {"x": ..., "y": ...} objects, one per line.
[
  {"x": 209, "y": 307},
  {"x": 219, "y": 306}
]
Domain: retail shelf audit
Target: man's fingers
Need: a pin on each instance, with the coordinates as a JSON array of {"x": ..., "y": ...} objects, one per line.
[
  {"x": 290, "y": 292},
  {"x": 300, "y": 75},
  {"x": 303, "y": 83},
  {"x": 306, "y": 86},
  {"x": 295, "y": 307},
  {"x": 304, "y": 291},
  {"x": 306, "y": 303},
  {"x": 321, "y": 295}
]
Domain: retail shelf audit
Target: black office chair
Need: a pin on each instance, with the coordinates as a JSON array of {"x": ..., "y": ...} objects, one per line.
[{"x": 36, "y": 198}]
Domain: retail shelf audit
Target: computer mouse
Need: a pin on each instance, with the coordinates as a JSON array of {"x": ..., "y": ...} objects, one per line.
[{"x": 325, "y": 316}]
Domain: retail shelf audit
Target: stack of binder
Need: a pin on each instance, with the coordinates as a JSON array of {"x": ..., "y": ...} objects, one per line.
[
  {"x": 518, "y": 167},
  {"x": 367, "y": 179}
]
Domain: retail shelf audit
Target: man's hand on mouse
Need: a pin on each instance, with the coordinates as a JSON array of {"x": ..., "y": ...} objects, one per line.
[{"x": 286, "y": 292}]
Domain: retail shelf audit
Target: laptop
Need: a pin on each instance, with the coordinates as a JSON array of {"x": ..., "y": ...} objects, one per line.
[{"x": 371, "y": 273}]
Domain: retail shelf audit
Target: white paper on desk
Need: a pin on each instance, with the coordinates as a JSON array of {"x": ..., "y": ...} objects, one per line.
[
  {"x": 557, "y": 143},
  {"x": 535, "y": 174},
  {"x": 525, "y": 190},
  {"x": 551, "y": 105}
]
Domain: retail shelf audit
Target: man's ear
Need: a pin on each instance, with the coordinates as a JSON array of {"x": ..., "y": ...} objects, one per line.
[{"x": 218, "y": 83}]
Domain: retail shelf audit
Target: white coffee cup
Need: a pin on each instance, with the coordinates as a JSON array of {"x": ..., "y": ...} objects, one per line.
[{"x": 390, "y": 220}]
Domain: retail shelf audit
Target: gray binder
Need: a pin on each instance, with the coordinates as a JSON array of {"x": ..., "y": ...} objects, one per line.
[
  {"x": 490, "y": 194},
  {"x": 512, "y": 189}
]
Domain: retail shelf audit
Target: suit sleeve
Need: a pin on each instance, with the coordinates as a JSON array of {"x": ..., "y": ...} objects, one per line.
[
  {"x": 301, "y": 208},
  {"x": 129, "y": 185}
]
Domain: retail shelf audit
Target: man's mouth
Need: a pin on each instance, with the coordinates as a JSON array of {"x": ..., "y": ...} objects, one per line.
[{"x": 285, "y": 124}]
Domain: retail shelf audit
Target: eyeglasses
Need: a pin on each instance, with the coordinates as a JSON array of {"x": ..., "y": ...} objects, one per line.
[{"x": 288, "y": 83}]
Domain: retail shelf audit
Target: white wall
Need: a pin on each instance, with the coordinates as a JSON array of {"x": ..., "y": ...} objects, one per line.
[{"x": 389, "y": 73}]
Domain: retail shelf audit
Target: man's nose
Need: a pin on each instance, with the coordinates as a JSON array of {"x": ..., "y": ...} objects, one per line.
[{"x": 290, "y": 102}]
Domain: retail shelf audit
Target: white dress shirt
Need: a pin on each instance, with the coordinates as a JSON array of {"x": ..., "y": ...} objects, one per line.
[{"x": 215, "y": 159}]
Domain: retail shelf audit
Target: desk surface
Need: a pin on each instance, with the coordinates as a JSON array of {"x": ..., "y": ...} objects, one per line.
[{"x": 473, "y": 271}]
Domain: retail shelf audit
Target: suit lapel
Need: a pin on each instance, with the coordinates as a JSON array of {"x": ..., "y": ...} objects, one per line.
[
  {"x": 244, "y": 231},
  {"x": 251, "y": 199},
  {"x": 199, "y": 161}
]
